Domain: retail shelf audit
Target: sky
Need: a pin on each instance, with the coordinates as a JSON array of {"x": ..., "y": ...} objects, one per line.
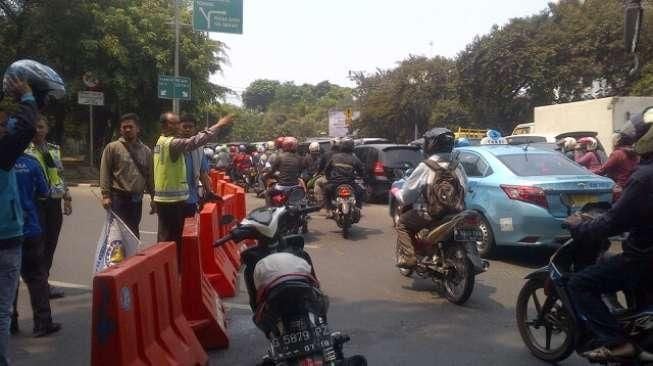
[{"x": 309, "y": 41}]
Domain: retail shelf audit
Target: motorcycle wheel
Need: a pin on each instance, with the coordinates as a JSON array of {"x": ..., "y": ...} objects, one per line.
[
  {"x": 403, "y": 271},
  {"x": 458, "y": 286},
  {"x": 556, "y": 322},
  {"x": 345, "y": 231}
]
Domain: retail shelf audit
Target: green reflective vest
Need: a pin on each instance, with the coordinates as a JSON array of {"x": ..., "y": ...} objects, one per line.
[
  {"x": 170, "y": 183},
  {"x": 52, "y": 167}
]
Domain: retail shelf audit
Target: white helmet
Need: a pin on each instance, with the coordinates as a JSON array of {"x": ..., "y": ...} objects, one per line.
[
  {"x": 314, "y": 147},
  {"x": 270, "y": 145},
  {"x": 260, "y": 149}
]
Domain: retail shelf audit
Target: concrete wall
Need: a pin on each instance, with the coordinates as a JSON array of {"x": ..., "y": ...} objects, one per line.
[{"x": 604, "y": 116}]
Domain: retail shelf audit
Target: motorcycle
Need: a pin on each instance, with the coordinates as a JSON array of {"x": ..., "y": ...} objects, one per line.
[
  {"x": 291, "y": 196},
  {"x": 289, "y": 307},
  {"x": 545, "y": 308},
  {"x": 345, "y": 209}
]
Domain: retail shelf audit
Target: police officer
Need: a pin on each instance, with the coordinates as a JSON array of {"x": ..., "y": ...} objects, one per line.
[{"x": 49, "y": 157}]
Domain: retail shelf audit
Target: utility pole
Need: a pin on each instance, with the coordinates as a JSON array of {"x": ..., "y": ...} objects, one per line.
[{"x": 175, "y": 102}]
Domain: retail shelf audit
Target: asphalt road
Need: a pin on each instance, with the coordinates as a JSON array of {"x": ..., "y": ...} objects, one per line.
[{"x": 392, "y": 320}]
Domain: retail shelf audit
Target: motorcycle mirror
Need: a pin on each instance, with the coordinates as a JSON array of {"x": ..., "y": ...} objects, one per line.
[{"x": 227, "y": 219}]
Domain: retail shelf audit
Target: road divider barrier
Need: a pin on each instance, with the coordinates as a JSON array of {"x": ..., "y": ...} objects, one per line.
[
  {"x": 201, "y": 303},
  {"x": 137, "y": 313},
  {"x": 216, "y": 264}
]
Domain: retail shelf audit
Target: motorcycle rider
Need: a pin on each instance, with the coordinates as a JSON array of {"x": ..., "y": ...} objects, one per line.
[
  {"x": 438, "y": 147},
  {"x": 288, "y": 165},
  {"x": 628, "y": 270},
  {"x": 313, "y": 159},
  {"x": 321, "y": 182},
  {"x": 622, "y": 162},
  {"x": 222, "y": 158},
  {"x": 586, "y": 154},
  {"x": 242, "y": 162},
  {"x": 342, "y": 168}
]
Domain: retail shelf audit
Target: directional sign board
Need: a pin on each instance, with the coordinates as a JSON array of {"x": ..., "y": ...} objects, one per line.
[
  {"x": 90, "y": 98},
  {"x": 224, "y": 16},
  {"x": 171, "y": 87}
]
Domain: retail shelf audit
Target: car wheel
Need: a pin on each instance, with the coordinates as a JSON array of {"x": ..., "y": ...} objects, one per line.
[{"x": 487, "y": 246}]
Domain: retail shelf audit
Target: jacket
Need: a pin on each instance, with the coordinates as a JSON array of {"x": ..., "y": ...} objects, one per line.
[
  {"x": 631, "y": 213},
  {"x": 118, "y": 171},
  {"x": 20, "y": 131},
  {"x": 32, "y": 186},
  {"x": 343, "y": 168},
  {"x": 413, "y": 190},
  {"x": 620, "y": 165},
  {"x": 589, "y": 160},
  {"x": 289, "y": 166}
]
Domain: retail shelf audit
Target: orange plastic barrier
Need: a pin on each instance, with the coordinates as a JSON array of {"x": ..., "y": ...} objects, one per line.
[
  {"x": 229, "y": 206},
  {"x": 201, "y": 303},
  {"x": 137, "y": 313},
  {"x": 216, "y": 265}
]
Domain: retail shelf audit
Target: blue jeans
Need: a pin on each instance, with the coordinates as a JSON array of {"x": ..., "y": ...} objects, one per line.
[{"x": 10, "y": 257}]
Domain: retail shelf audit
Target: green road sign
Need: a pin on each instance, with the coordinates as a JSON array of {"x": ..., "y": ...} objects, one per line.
[
  {"x": 171, "y": 87},
  {"x": 224, "y": 16}
]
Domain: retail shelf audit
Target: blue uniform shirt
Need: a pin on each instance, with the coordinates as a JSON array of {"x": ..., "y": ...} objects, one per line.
[
  {"x": 32, "y": 185},
  {"x": 193, "y": 185}
]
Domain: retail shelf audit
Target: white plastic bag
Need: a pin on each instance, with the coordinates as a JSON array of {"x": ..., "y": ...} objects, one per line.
[{"x": 116, "y": 243}]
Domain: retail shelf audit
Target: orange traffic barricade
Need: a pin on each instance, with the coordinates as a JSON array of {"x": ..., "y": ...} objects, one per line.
[
  {"x": 137, "y": 313},
  {"x": 200, "y": 301},
  {"x": 229, "y": 206},
  {"x": 216, "y": 265}
]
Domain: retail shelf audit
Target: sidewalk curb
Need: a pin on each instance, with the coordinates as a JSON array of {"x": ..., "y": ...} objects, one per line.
[{"x": 86, "y": 185}]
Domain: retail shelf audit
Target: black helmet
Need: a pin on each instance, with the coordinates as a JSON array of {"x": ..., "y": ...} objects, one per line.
[
  {"x": 347, "y": 145},
  {"x": 438, "y": 140},
  {"x": 45, "y": 83},
  {"x": 638, "y": 130}
]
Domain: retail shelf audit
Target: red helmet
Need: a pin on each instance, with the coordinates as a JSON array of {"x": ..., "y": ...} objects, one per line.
[
  {"x": 589, "y": 142},
  {"x": 278, "y": 142},
  {"x": 289, "y": 144}
]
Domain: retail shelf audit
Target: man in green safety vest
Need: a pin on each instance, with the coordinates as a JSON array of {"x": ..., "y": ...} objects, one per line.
[
  {"x": 170, "y": 185},
  {"x": 49, "y": 157}
]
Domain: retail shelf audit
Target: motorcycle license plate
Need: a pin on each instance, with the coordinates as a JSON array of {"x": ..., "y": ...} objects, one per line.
[
  {"x": 467, "y": 234},
  {"x": 300, "y": 343},
  {"x": 580, "y": 200}
]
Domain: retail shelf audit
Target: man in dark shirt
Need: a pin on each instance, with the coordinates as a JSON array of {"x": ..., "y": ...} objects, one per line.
[
  {"x": 343, "y": 168},
  {"x": 629, "y": 270}
]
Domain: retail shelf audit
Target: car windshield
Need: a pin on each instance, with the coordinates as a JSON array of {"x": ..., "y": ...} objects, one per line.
[
  {"x": 396, "y": 157},
  {"x": 529, "y": 165}
]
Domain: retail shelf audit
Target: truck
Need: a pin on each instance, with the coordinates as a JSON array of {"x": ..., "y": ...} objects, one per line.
[{"x": 604, "y": 116}]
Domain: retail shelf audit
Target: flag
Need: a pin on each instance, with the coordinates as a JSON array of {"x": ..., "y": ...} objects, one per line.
[{"x": 116, "y": 243}]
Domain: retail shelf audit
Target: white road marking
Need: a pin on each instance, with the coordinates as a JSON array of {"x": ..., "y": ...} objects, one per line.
[
  {"x": 148, "y": 232},
  {"x": 237, "y": 306},
  {"x": 69, "y": 285},
  {"x": 311, "y": 246}
]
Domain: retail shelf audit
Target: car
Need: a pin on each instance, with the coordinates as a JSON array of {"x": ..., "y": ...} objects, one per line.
[
  {"x": 371, "y": 141},
  {"x": 384, "y": 163},
  {"x": 519, "y": 192},
  {"x": 523, "y": 129},
  {"x": 529, "y": 139}
]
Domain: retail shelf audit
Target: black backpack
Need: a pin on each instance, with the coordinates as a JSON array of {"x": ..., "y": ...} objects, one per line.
[{"x": 445, "y": 195}]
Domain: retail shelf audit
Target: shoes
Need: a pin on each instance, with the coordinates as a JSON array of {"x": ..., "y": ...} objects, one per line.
[
  {"x": 46, "y": 329},
  {"x": 56, "y": 293},
  {"x": 14, "y": 329}
]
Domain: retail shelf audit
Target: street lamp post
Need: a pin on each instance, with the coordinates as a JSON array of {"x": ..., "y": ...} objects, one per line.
[{"x": 175, "y": 102}]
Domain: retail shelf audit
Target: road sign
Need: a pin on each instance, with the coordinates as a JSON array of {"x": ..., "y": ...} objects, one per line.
[
  {"x": 224, "y": 16},
  {"x": 171, "y": 87},
  {"x": 90, "y": 98}
]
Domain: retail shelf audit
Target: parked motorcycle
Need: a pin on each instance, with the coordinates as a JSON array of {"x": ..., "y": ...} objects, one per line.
[
  {"x": 285, "y": 294},
  {"x": 550, "y": 325},
  {"x": 345, "y": 208}
]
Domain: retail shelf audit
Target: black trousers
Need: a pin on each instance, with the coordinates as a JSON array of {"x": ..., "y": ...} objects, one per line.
[
  {"x": 35, "y": 277},
  {"x": 51, "y": 221},
  {"x": 128, "y": 210},
  {"x": 617, "y": 273},
  {"x": 171, "y": 224}
]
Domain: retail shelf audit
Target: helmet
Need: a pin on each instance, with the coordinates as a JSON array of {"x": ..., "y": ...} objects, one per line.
[
  {"x": 314, "y": 147},
  {"x": 208, "y": 152},
  {"x": 438, "y": 140},
  {"x": 260, "y": 149},
  {"x": 289, "y": 144},
  {"x": 46, "y": 84},
  {"x": 347, "y": 145},
  {"x": 270, "y": 145},
  {"x": 278, "y": 142},
  {"x": 233, "y": 149},
  {"x": 589, "y": 143},
  {"x": 242, "y": 148},
  {"x": 568, "y": 143},
  {"x": 462, "y": 142},
  {"x": 638, "y": 130}
]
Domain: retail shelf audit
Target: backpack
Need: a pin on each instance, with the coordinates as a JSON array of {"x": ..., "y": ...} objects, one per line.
[{"x": 444, "y": 195}]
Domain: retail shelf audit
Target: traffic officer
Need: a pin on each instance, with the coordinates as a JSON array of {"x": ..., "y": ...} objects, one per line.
[
  {"x": 49, "y": 158},
  {"x": 170, "y": 180}
]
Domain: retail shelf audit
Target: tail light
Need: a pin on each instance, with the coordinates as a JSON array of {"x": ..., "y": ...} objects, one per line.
[
  {"x": 344, "y": 192},
  {"x": 534, "y": 195},
  {"x": 379, "y": 169},
  {"x": 616, "y": 193}
]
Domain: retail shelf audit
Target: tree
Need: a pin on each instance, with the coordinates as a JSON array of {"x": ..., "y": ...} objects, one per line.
[{"x": 259, "y": 94}]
